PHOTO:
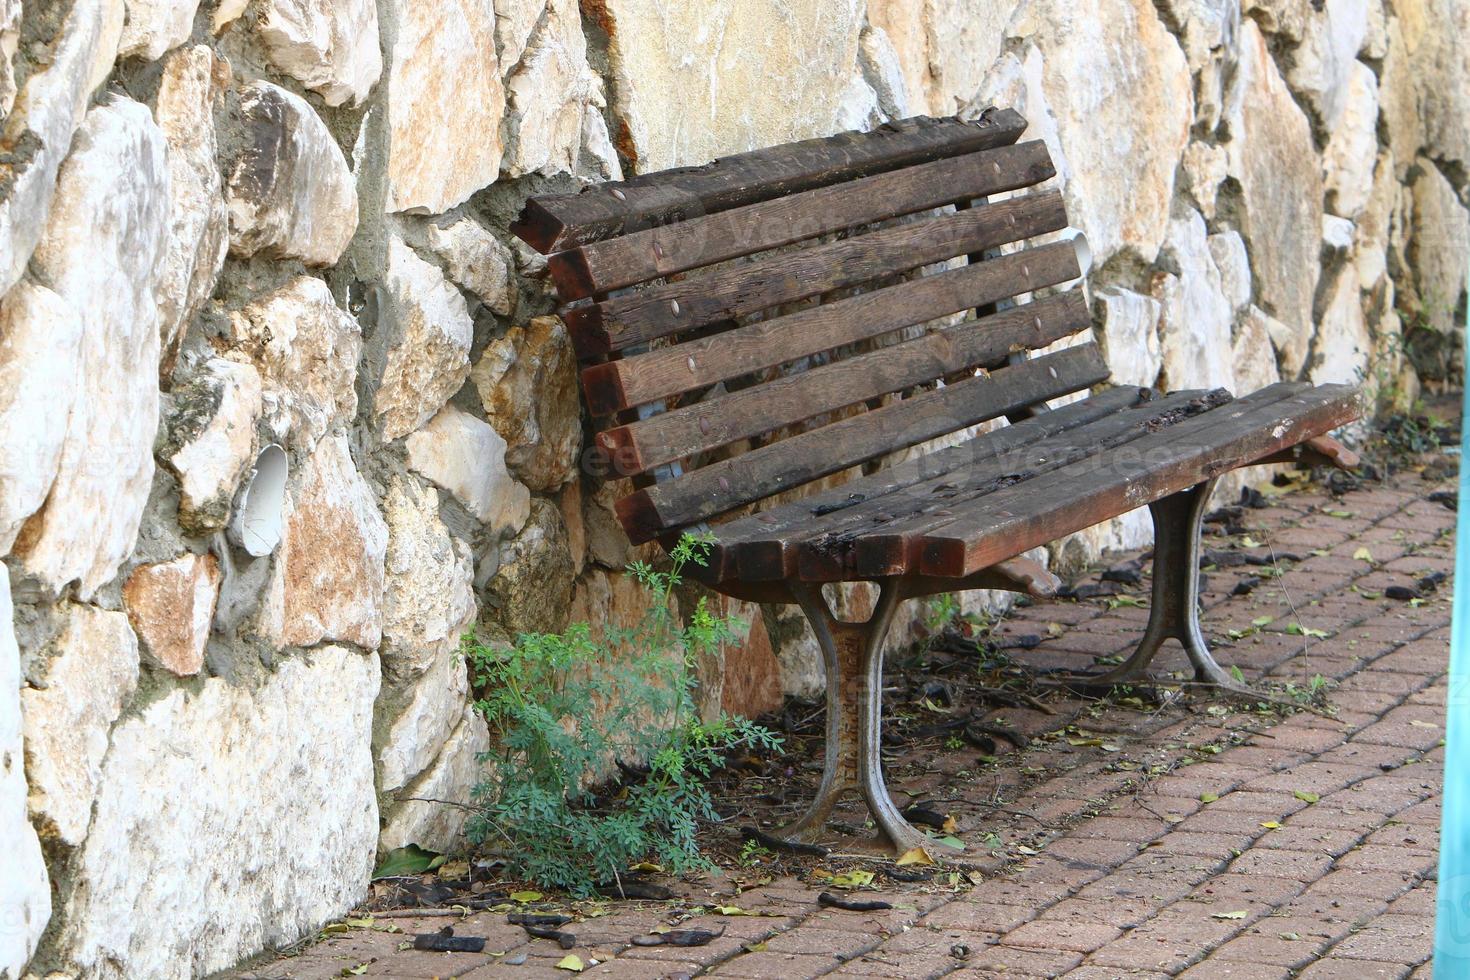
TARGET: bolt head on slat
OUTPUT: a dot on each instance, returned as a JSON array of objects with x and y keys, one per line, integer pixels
[
  {"x": 691, "y": 365},
  {"x": 618, "y": 194},
  {"x": 674, "y": 307},
  {"x": 704, "y": 426}
]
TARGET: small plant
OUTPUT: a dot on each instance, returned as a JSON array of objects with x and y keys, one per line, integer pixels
[
  {"x": 753, "y": 854},
  {"x": 940, "y": 611},
  {"x": 566, "y": 706}
]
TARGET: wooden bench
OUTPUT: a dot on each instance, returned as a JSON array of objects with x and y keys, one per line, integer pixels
[{"x": 753, "y": 326}]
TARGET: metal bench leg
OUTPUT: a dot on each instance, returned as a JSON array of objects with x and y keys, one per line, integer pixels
[
  {"x": 1175, "y": 609},
  {"x": 853, "y": 655}
]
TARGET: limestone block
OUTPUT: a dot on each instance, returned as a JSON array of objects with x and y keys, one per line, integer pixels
[
  {"x": 1255, "y": 355},
  {"x": 531, "y": 590},
  {"x": 1130, "y": 337},
  {"x": 105, "y": 238},
  {"x": 1343, "y": 341},
  {"x": 1195, "y": 314},
  {"x": 290, "y": 192},
  {"x": 155, "y": 26},
  {"x": 467, "y": 457},
  {"x": 1322, "y": 64},
  {"x": 1205, "y": 169},
  {"x": 430, "y": 599},
  {"x": 10, "y": 11},
  {"x": 527, "y": 382},
  {"x": 329, "y": 46},
  {"x": 1227, "y": 250},
  {"x": 448, "y": 100},
  {"x": 438, "y": 826},
  {"x": 266, "y": 795},
  {"x": 1439, "y": 248},
  {"x": 547, "y": 94},
  {"x": 171, "y": 606},
  {"x": 327, "y": 579},
  {"x": 880, "y": 67},
  {"x": 476, "y": 260},
  {"x": 91, "y": 672},
  {"x": 429, "y": 332},
  {"x": 211, "y": 440},
  {"x": 1352, "y": 149},
  {"x": 432, "y": 705}
]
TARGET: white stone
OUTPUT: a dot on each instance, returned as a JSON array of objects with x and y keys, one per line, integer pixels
[
  {"x": 429, "y": 332},
  {"x": 1352, "y": 148},
  {"x": 276, "y": 825},
  {"x": 1323, "y": 63},
  {"x": 548, "y": 93},
  {"x": 430, "y": 596},
  {"x": 1375, "y": 226},
  {"x": 858, "y": 107},
  {"x": 46, "y": 114},
  {"x": 306, "y": 349},
  {"x": 1137, "y": 80},
  {"x": 881, "y": 69},
  {"x": 10, "y": 11},
  {"x": 40, "y": 360},
  {"x": 198, "y": 220},
  {"x": 326, "y": 582},
  {"x": 527, "y": 382},
  {"x": 91, "y": 671},
  {"x": 905, "y": 25},
  {"x": 467, "y": 457},
  {"x": 1205, "y": 169},
  {"x": 445, "y": 113},
  {"x": 1255, "y": 354},
  {"x": 105, "y": 238},
  {"x": 435, "y": 704},
  {"x": 1130, "y": 324},
  {"x": 1272, "y": 155},
  {"x": 155, "y": 26},
  {"x": 962, "y": 41},
  {"x": 290, "y": 192},
  {"x": 420, "y": 818},
  {"x": 476, "y": 260},
  {"x": 1343, "y": 342},
  {"x": 1439, "y": 248},
  {"x": 329, "y": 46},
  {"x": 1227, "y": 250},
  {"x": 1195, "y": 314},
  {"x": 1337, "y": 233},
  {"x": 598, "y": 159},
  {"x": 25, "y": 889},
  {"x": 212, "y": 440},
  {"x": 514, "y": 22},
  {"x": 693, "y": 81}
]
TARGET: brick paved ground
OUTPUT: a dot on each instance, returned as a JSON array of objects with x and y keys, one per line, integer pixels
[{"x": 1199, "y": 842}]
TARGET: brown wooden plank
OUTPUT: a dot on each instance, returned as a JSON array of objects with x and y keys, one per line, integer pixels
[
  {"x": 679, "y": 307},
  {"x": 668, "y": 249},
  {"x": 785, "y": 401},
  {"x": 767, "y": 546},
  {"x": 554, "y": 222},
  {"x": 617, "y": 385},
  {"x": 873, "y": 539},
  {"x": 801, "y": 458},
  {"x": 1018, "y": 518}
]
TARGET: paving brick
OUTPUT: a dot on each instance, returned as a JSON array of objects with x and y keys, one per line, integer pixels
[
  {"x": 1011, "y": 961},
  {"x": 1281, "y": 863},
  {"x": 1274, "y": 950},
  {"x": 774, "y": 966},
  {"x": 1214, "y": 969},
  {"x": 1071, "y": 934},
  {"x": 1344, "y": 969},
  {"x": 1374, "y": 858},
  {"x": 977, "y": 917},
  {"x": 1382, "y": 885},
  {"x": 1253, "y": 890},
  {"x": 1169, "y": 942},
  {"x": 1402, "y": 938}
]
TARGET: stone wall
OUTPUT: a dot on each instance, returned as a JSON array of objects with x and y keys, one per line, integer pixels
[{"x": 282, "y": 413}]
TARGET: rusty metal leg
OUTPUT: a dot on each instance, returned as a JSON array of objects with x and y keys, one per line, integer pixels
[
  {"x": 1175, "y": 609},
  {"x": 853, "y": 653}
]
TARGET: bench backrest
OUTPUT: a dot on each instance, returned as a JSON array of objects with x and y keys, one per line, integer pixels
[{"x": 743, "y": 326}]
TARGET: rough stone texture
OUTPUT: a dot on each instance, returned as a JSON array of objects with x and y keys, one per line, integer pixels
[
  {"x": 429, "y": 333},
  {"x": 155, "y": 26},
  {"x": 477, "y": 261},
  {"x": 1425, "y": 102},
  {"x": 419, "y": 818},
  {"x": 433, "y": 704},
  {"x": 467, "y": 457},
  {"x": 528, "y": 385},
  {"x": 1439, "y": 249},
  {"x": 1204, "y": 169},
  {"x": 1253, "y": 352},
  {"x": 1272, "y": 156},
  {"x": 171, "y": 607},
  {"x": 1130, "y": 338},
  {"x": 330, "y": 46},
  {"x": 199, "y": 221},
  {"x": 25, "y": 890},
  {"x": 1352, "y": 150},
  {"x": 290, "y": 192},
  {"x": 40, "y": 352},
  {"x": 1343, "y": 342},
  {"x": 446, "y": 80},
  {"x": 306, "y": 349},
  {"x": 1195, "y": 314},
  {"x": 1227, "y": 250},
  {"x": 278, "y": 822},
  {"x": 546, "y": 132},
  {"x": 90, "y": 673},
  {"x": 750, "y": 677},
  {"x": 1324, "y": 62},
  {"x": 105, "y": 238},
  {"x": 327, "y": 580},
  {"x": 692, "y": 81},
  {"x": 46, "y": 113},
  {"x": 10, "y": 11},
  {"x": 531, "y": 590},
  {"x": 211, "y": 440}
]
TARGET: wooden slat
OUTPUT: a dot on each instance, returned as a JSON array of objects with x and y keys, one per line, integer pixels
[
  {"x": 765, "y": 546},
  {"x": 795, "y": 398},
  {"x": 669, "y": 249},
  {"x": 678, "y": 307},
  {"x": 1013, "y": 520},
  {"x": 874, "y": 536},
  {"x": 801, "y": 458},
  {"x": 556, "y": 222},
  {"x": 617, "y": 385}
]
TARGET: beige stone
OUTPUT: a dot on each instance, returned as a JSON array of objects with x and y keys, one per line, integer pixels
[
  {"x": 882, "y": 70},
  {"x": 902, "y": 23},
  {"x": 695, "y": 81},
  {"x": 1352, "y": 149},
  {"x": 211, "y": 440},
  {"x": 547, "y": 94},
  {"x": 1195, "y": 314},
  {"x": 531, "y": 590},
  {"x": 290, "y": 192},
  {"x": 1227, "y": 251},
  {"x": 467, "y": 457},
  {"x": 964, "y": 41},
  {"x": 1375, "y": 225},
  {"x": 1343, "y": 342},
  {"x": 155, "y": 26},
  {"x": 1439, "y": 249},
  {"x": 1322, "y": 64},
  {"x": 607, "y": 544},
  {"x": 1130, "y": 337},
  {"x": 105, "y": 238},
  {"x": 10, "y": 11},
  {"x": 327, "y": 579},
  {"x": 429, "y": 332},
  {"x": 432, "y": 812},
  {"x": 91, "y": 669},
  {"x": 430, "y": 707},
  {"x": 477, "y": 261},
  {"x": 171, "y": 607},
  {"x": 448, "y": 100},
  {"x": 1254, "y": 354},
  {"x": 429, "y": 599},
  {"x": 1428, "y": 101},
  {"x": 330, "y": 46},
  {"x": 527, "y": 382}
]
